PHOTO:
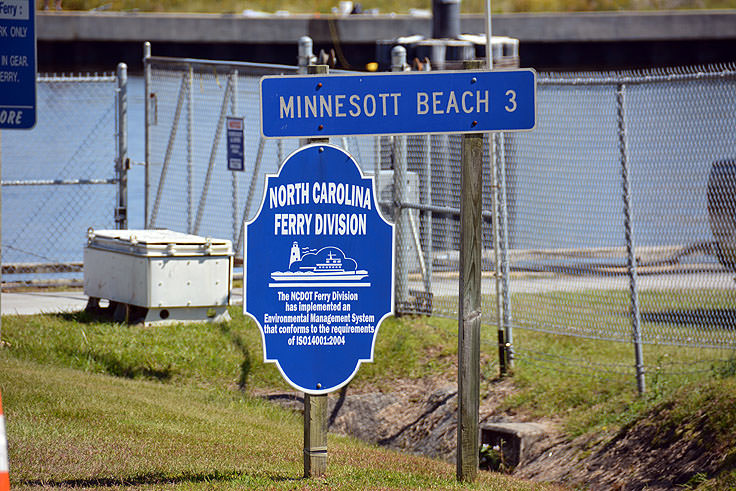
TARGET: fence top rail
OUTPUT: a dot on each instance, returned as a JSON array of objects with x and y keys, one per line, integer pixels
[
  {"x": 81, "y": 77},
  {"x": 681, "y": 74},
  {"x": 209, "y": 64},
  {"x": 246, "y": 66}
]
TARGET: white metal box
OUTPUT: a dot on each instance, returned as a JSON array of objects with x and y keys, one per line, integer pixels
[{"x": 179, "y": 276}]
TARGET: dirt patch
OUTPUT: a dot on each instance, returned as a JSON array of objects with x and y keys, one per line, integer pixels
[
  {"x": 641, "y": 456},
  {"x": 420, "y": 417},
  {"x": 417, "y": 416}
]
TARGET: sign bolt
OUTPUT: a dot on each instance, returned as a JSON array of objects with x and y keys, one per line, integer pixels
[
  {"x": 319, "y": 386},
  {"x": 319, "y": 85},
  {"x": 320, "y": 127},
  {"x": 473, "y": 80},
  {"x": 474, "y": 123}
]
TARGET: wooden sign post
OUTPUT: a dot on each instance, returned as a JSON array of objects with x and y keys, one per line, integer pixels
[
  {"x": 315, "y": 406},
  {"x": 469, "y": 317}
]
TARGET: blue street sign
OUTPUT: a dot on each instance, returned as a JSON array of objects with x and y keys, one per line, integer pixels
[
  {"x": 235, "y": 144},
  {"x": 17, "y": 64},
  {"x": 318, "y": 268},
  {"x": 398, "y": 103}
]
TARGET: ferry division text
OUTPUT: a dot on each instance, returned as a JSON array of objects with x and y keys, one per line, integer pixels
[{"x": 304, "y": 193}]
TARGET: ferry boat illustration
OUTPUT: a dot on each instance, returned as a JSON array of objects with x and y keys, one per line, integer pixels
[{"x": 326, "y": 264}]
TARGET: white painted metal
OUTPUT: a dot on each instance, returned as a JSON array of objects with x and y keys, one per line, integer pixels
[{"x": 159, "y": 269}]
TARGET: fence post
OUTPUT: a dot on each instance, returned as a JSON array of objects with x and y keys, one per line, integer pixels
[
  {"x": 629, "y": 235},
  {"x": 234, "y": 174},
  {"x": 501, "y": 333},
  {"x": 306, "y": 56},
  {"x": 401, "y": 215},
  {"x": 469, "y": 319},
  {"x": 190, "y": 140},
  {"x": 503, "y": 242},
  {"x": 121, "y": 167},
  {"x": 427, "y": 216},
  {"x": 315, "y": 406},
  {"x": 147, "y": 114}
]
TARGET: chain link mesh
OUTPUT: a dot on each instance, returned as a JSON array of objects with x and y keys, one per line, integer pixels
[
  {"x": 564, "y": 201},
  {"x": 46, "y": 210},
  {"x": 191, "y": 189}
]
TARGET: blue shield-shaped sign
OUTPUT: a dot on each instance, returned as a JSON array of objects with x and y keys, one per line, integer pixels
[{"x": 318, "y": 268}]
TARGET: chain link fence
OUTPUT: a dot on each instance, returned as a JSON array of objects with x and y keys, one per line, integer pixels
[
  {"x": 189, "y": 187},
  {"x": 615, "y": 215},
  {"x": 622, "y": 210},
  {"x": 62, "y": 177},
  {"x": 615, "y": 218}
]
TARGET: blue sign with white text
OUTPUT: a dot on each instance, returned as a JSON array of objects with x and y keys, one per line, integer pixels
[
  {"x": 235, "y": 144},
  {"x": 398, "y": 103},
  {"x": 318, "y": 268},
  {"x": 17, "y": 64}
]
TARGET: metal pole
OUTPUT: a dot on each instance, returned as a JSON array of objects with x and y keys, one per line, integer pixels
[
  {"x": 469, "y": 318},
  {"x": 629, "y": 235},
  {"x": 121, "y": 167},
  {"x": 427, "y": 215},
  {"x": 489, "y": 36},
  {"x": 502, "y": 362},
  {"x": 503, "y": 236},
  {"x": 147, "y": 112},
  {"x": 306, "y": 56},
  {"x": 401, "y": 219},
  {"x": 426, "y": 143},
  {"x": 190, "y": 140},
  {"x": 234, "y": 174},
  {"x": 315, "y": 406},
  {"x": 500, "y": 304}
]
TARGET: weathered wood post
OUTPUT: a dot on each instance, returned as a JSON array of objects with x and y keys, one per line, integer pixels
[
  {"x": 315, "y": 435},
  {"x": 315, "y": 406},
  {"x": 469, "y": 317}
]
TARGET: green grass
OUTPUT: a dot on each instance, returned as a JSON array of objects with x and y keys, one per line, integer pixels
[
  {"x": 215, "y": 355},
  {"x": 105, "y": 405},
  {"x": 590, "y": 382},
  {"x": 388, "y": 6},
  {"x": 73, "y": 385},
  {"x": 69, "y": 429}
]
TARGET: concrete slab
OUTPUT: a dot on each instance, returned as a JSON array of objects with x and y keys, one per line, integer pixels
[
  {"x": 52, "y": 302},
  {"x": 42, "y": 302},
  {"x": 512, "y": 439}
]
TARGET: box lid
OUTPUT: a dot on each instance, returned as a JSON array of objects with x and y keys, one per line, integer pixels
[{"x": 157, "y": 243}]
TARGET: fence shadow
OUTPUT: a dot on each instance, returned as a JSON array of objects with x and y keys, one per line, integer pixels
[
  {"x": 154, "y": 478},
  {"x": 719, "y": 318}
]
